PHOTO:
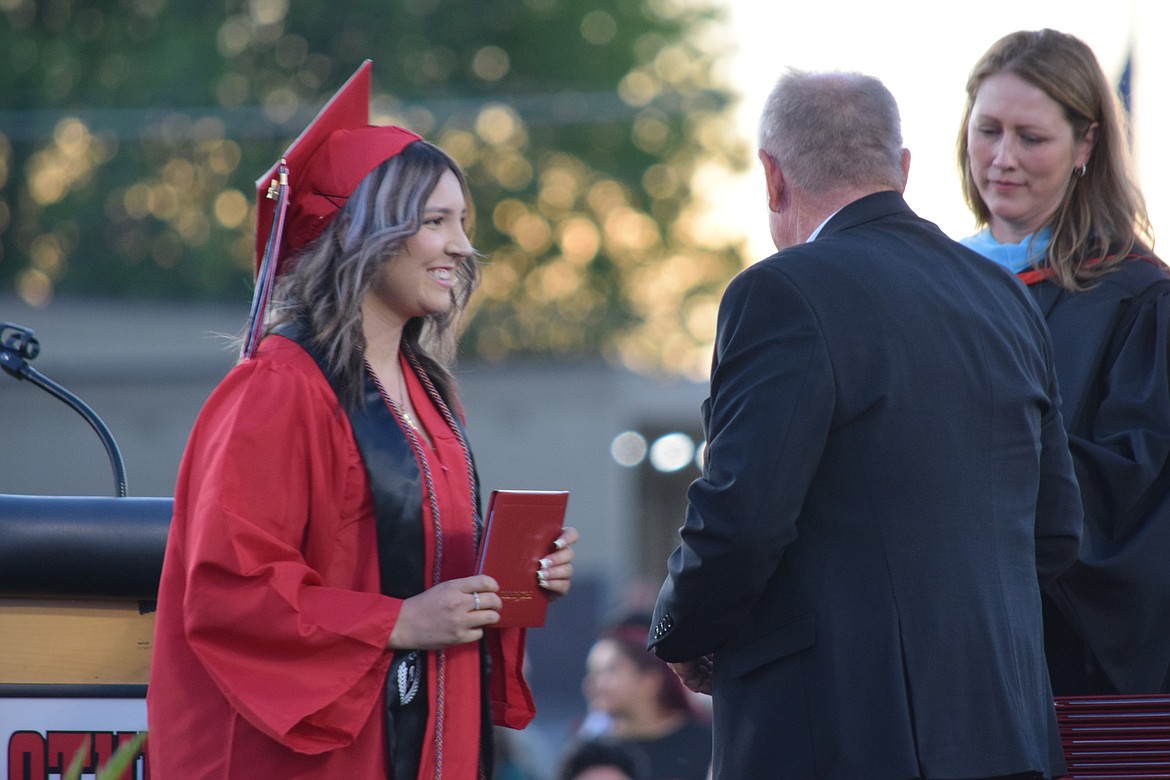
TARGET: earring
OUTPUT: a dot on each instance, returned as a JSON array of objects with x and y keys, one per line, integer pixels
[{"x": 1080, "y": 172}]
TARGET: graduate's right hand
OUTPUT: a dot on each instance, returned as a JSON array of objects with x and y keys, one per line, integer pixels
[{"x": 451, "y": 613}]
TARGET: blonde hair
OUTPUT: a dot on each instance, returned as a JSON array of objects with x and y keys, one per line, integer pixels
[{"x": 1102, "y": 217}]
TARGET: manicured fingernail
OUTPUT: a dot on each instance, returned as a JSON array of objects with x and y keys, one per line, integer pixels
[
  {"x": 545, "y": 563},
  {"x": 542, "y": 575},
  {"x": 560, "y": 544}
]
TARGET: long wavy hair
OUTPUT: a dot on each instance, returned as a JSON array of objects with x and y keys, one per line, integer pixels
[
  {"x": 1102, "y": 217},
  {"x": 328, "y": 280}
]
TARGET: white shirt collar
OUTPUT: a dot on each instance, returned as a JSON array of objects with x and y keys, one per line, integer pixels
[{"x": 820, "y": 227}]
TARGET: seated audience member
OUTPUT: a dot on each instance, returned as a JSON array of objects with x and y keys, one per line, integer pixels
[
  {"x": 602, "y": 758},
  {"x": 648, "y": 709}
]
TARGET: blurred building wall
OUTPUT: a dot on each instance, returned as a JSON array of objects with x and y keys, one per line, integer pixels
[{"x": 146, "y": 368}]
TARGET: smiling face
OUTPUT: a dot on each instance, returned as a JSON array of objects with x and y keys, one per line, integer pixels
[
  {"x": 417, "y": 281},
  {"x": 1022, "y": 151}
]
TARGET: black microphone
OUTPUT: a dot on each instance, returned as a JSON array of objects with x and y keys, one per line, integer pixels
[{"x": 17, "y": 347}]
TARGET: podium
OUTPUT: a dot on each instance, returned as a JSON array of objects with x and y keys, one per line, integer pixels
[{"x": 78, "y": 580}]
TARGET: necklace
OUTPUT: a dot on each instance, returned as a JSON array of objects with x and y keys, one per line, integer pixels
[
  {"x": 401, "y": 406},
  {"x": 432, "y": 501},
  {"x": 407, "y": 417}
]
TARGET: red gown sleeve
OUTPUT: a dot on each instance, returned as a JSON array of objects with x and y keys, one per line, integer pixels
[
  {"x": 512, "y": 702},
  {"x": 282, "y": 605}
]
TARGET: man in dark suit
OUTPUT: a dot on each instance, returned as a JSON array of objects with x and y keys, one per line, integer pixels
[{"x": 887, "y": 483}]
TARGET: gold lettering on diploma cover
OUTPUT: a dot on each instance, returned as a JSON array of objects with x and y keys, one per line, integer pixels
[{"x": 516, "y": 595}]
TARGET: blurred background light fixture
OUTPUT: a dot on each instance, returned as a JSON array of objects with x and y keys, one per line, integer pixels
[
  {"x": 672, "y": 452},
  {"x": 628, "y": 448}
]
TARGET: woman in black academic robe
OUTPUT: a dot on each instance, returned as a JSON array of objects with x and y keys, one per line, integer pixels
[{"x": 1043, "y": 158}]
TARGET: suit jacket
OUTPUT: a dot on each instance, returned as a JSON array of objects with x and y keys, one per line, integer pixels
[{"x": 887, "y": 482}]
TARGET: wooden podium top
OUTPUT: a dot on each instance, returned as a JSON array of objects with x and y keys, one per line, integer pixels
[{"x": 74, "y": 642}]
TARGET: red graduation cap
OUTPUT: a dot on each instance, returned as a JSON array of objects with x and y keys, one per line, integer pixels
[{"x": 302, "y": 193}]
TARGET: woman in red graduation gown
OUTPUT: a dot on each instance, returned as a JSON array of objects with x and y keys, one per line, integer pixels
[
  {"x": 318, "y": 614},
  {"x": 1042, "y": 151}
]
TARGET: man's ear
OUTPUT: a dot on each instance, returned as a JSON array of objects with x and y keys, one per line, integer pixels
[
  {"x": 773, "y": 178},
  {"x": 905, "y": 168}
]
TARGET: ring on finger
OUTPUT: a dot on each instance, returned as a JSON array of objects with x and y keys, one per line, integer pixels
[{"x": 476, "y": 597}]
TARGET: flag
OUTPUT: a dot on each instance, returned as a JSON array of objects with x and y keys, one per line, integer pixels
[{"x": 1125, "y": 92}]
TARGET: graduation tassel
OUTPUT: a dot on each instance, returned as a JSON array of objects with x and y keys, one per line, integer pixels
[{"x": 266, "y": 276}]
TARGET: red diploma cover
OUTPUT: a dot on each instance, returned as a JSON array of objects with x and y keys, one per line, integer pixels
[{"x": 520, "y": 529}]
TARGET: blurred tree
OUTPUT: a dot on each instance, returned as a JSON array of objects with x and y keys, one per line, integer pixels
[{"x": 131, "y": 132}]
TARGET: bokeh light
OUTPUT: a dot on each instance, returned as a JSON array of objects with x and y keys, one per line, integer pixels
[
  {"x": 672, "y": 452},
  {"x": 629, "y": 448}
]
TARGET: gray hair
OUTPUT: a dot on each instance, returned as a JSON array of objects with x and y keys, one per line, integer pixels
[{"x": 828, "y": 130}]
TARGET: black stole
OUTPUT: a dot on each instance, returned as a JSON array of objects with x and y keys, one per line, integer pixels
[
  {"x": 397, "y": 490},
  {"x": 395, "y": 481}
]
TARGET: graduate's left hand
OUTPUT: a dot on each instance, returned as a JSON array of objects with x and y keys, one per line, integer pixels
[{"x": 556, "y": 568}]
